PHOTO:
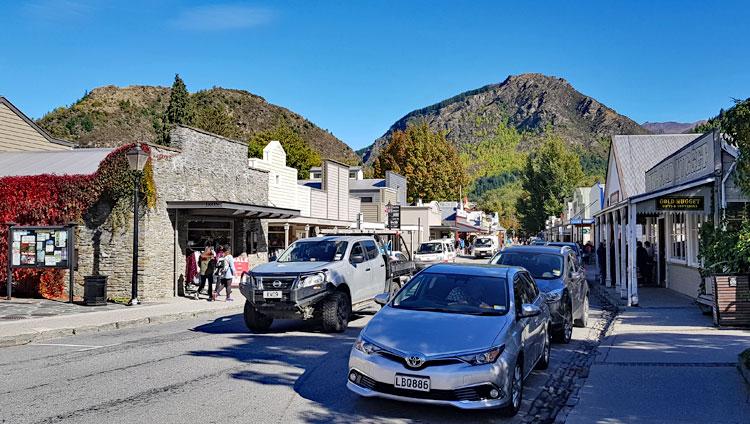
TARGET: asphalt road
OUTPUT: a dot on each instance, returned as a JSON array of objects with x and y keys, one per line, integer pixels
[{"x": 212, "y": 372}]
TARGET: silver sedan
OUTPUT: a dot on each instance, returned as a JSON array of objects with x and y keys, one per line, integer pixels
[{"x": 461, "y": 335}]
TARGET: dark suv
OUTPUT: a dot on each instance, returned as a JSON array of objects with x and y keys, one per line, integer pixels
[{"x": 558, "y": 274}]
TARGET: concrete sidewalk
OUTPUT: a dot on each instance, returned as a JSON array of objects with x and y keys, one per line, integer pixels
[
  {"x": 25, "y": 331},
  {"x": 664, "y": 362}
]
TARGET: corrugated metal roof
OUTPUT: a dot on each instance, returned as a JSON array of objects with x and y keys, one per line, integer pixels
[
  {"x": 65, "y": 162},
  {"x": 636, "y": 154},
  {"x": 366, "y": 184}
]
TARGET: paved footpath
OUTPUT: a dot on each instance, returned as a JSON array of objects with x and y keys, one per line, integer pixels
[
  {"x": 664, "y": 362},
  {"x": 68, "y": 320}
]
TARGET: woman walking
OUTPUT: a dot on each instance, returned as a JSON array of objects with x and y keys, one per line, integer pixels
[
  {"x": 226, "y": 274},
  {"x": 207, "y": 265}
]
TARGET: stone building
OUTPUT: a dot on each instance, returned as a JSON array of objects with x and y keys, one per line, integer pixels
[{"x": 205, "y": 193}]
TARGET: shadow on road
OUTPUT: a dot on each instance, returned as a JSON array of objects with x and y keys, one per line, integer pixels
[{"x": 314, "y": 364}]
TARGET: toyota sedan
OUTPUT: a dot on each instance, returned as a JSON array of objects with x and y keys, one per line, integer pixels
[{"x": 460, "y": 335}]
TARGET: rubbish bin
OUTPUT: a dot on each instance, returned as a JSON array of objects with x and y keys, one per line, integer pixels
[{"x": 95, "y": 290}]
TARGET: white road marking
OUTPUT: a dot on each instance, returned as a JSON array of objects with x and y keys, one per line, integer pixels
[{"x": 84, "y": 347}]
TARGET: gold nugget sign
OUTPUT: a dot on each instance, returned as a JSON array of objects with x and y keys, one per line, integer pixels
[{"x": 679, "y": 203}]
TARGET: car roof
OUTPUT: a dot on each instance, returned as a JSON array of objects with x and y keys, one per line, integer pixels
[
  {"x": 536, "y": 249},
  {"x": 562, "y": 243},
  {"x": 479, "y": 270},
  {"x": 336, "y": 238}
]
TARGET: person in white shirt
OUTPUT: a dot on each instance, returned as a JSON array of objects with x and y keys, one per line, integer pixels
[{"x": 226, "y": 273}]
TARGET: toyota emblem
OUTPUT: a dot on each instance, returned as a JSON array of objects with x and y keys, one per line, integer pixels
[
  {"x": 415, "y": 360},
  {"x": 276, "y": 284}
]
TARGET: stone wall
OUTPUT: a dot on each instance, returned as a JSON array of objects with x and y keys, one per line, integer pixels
[{"x": 198, "y": 166}]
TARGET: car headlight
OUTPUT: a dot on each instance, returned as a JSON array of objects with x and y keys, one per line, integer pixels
[
  {"x": 312, "y": 280},
  {"x": 482, "y": 358},
  {"x": 256, "y": 283},
  {"x": 365, "y": 346},
  {"x": 553, "y": 295}
]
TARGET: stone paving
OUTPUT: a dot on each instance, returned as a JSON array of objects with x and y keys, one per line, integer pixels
[{"x": 20, "y": 309}]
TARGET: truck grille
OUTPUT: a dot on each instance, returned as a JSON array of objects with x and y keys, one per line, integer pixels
[{"x": 277, "y": 283}]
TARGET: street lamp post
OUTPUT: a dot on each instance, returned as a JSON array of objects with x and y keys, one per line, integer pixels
[{"x": 136, "y": 162}]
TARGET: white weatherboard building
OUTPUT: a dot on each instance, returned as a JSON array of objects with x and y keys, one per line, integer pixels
[{"x": 662, "y": 189}]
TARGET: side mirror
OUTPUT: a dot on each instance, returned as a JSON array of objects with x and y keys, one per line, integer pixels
[
  {"x": 381, "y": 299},
  {"x": 357, "y": 259},
  {"x": 528, "y": 310}
]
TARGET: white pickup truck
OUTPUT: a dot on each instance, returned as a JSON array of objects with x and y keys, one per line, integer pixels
[{"x": 321, "y": 278}]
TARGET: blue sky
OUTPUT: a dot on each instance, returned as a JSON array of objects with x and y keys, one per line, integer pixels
[{"x": 355, "y": 67}]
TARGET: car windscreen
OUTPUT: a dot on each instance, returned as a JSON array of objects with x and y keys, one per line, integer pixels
[
  {"x": 453, "y": 293},
  {"x": 314, "y": 251},
  {"x": 483, "y": 242},
  {"x": 430, "y": 248},
  {"x": 545, "y": 266}
]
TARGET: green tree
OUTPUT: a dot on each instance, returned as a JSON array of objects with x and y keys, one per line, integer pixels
[
  {"x": 217, "y": 119},
  {"x": 179, "y": 110},
  {"x": 735, "y": 124},
  {"x": 298, "y": 154},
  {"x": 494, "y": 155},
  {"x": 552, "y": 171},
  {"x": 503, "y": 200},
  {"x": 431, "y": 164}
]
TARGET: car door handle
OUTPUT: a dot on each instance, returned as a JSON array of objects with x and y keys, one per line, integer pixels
[
  {"x": 368, "y": 269},
  {"x": 382, "y": 265}
]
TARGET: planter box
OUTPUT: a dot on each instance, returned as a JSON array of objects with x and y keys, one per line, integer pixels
[{"x": 732, "y": 297}]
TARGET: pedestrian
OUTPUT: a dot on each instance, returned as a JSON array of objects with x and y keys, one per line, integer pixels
[
  {"x": 462, "y": 243},
  {"x": 207, "y": 267},
  {"x": 588, "y": 250},
  {"x": 649, "y": 272},
  {"x": 227, "y": 271},
  {"x": 641, "y": 260}
]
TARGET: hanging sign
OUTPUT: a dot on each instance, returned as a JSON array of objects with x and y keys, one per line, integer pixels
[{"x": 679, "y": 203}]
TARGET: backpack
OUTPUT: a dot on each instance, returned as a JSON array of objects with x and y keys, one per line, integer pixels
[{"x": 221, "y": 267}]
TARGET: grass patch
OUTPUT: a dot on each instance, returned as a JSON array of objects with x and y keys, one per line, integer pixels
[{"x": 120, "y": 300}]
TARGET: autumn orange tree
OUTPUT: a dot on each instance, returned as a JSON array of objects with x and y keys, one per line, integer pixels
[{"x": 432, "y": 166}]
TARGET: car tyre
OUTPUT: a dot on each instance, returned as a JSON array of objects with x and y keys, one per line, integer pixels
[
  {"x": 543, "y": 362},
  {"x": 564, "y": 332},
  {"x": 515, "y": 392},
  {"x": 584, "y": 320},
  {"x": 336, "y": 311},
  {"x": 256, "y": 321}
]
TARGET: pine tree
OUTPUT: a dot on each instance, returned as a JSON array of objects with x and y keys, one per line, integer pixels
[{"x": 179, "y": 111}]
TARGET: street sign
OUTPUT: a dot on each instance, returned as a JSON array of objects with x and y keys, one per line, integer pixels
[{"x": 394, "y": 217}]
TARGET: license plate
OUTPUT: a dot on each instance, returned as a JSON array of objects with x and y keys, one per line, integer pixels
[
  {"x": 408, "y": 382},
  {"x": 272, "y": 294}
]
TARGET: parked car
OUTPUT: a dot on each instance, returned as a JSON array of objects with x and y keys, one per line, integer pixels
[
  {"x": 433, "y": 252},
  {"x": 573, "y": 246},
  {"x": 456, "y": 334},
  {"x": 558, "y": 275},
  {"x": 321, "y": 278},
  {"x": 484, "y": 246}
]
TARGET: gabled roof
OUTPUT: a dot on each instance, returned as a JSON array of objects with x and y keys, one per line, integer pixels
[
  {"x": 367, "y": 184},
  {"x": 33, "y": 124},
  {"x": 636, "y": 154}
]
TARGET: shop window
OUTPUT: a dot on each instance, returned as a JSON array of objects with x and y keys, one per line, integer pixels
[
  {"x": 365, "y": 199},
  {"x": 695, "y": 222},
  {"x": 678, "y": 237},
  {"x": 213, "y": 233}
]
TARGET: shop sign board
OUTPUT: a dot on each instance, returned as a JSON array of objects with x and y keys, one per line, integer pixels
[
  {"x": 394, "y": 217},
  {"x": 694, "y": 161},
  {"x": 680, "y": 203}
]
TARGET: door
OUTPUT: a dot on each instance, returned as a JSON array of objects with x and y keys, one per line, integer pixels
[
  {"x": 360, "y": 274},
  {"x": 661, "y": 251},
  {"x": 526, "y": 324},
  {"x": 376, "y": 268},
  {"x": 536, "y": 323}
]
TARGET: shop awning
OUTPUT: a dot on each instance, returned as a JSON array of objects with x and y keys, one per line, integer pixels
[
  {"x": 232, "y": 209},
  {"x": 701, "y": 188}
]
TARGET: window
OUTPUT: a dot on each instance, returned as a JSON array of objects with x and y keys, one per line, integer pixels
[
  {"x": 314, "y": 251},
  {"x": 277, "y": 180},
  {"x": 453, "y": 293},
  {"x": 357, "y": 250},
  {"x": 366, "y": 199},
  {"x": 531, "y": 290},
  {"x": 371, "y": 248},
  {"x": 694, "y": 227},
  {"x": 544, "y": 266},
  {"x": 678, "y": 237}
]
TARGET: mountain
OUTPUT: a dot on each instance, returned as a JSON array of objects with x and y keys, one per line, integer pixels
[
  {"x": 110, "y": 116},
  {"x": 532, "y": 103},
  {"x": 671, "y": 127}
]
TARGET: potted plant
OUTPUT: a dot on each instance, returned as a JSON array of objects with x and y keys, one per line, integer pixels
[{"x": 724, "y": 252}]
